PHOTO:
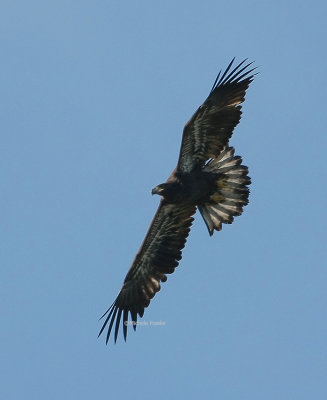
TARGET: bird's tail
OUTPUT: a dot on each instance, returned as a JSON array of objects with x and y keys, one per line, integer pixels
[{"x": 232, "y": 192}]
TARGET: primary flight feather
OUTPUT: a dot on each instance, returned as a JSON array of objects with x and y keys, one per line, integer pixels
[{"x": 208, "y": 176}]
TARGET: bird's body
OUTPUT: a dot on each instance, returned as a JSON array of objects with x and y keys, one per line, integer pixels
[
  {"x": 187, "y": 188},
  {"x": 208, "y": 176}
]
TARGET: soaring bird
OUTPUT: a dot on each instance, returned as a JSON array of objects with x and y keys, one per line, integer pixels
[{"x": 208, "y": 176}]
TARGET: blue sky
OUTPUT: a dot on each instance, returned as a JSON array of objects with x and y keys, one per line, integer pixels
[{"x": 94, "y": 99}]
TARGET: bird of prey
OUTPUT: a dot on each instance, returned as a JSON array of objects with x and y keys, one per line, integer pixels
[{"x": 208, "y": 176}]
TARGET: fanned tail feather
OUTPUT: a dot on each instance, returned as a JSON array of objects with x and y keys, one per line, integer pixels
[{"x": 232, "y": 190}]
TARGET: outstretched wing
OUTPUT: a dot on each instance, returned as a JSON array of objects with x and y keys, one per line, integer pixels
[
  {"x": 212, "y": 125},
  {"x": 159, "y": 255}
]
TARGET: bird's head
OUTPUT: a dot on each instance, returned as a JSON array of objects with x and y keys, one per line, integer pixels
[
  {"x": 170, "y": 191},
  {"x": 160, "y": 189}
]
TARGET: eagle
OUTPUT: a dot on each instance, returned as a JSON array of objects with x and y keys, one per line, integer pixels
[{"x": 208, "y": 177}]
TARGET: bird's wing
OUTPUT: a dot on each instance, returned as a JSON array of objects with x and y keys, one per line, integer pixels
[
  {"x": 212, "y": 125},
  {"x": 159, "y": 255}
]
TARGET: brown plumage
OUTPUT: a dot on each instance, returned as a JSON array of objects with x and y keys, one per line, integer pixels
[{"x": 207, "y": 176}]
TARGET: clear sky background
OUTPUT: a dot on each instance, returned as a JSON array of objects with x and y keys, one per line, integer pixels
[{"x": 94, "y": 97}]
